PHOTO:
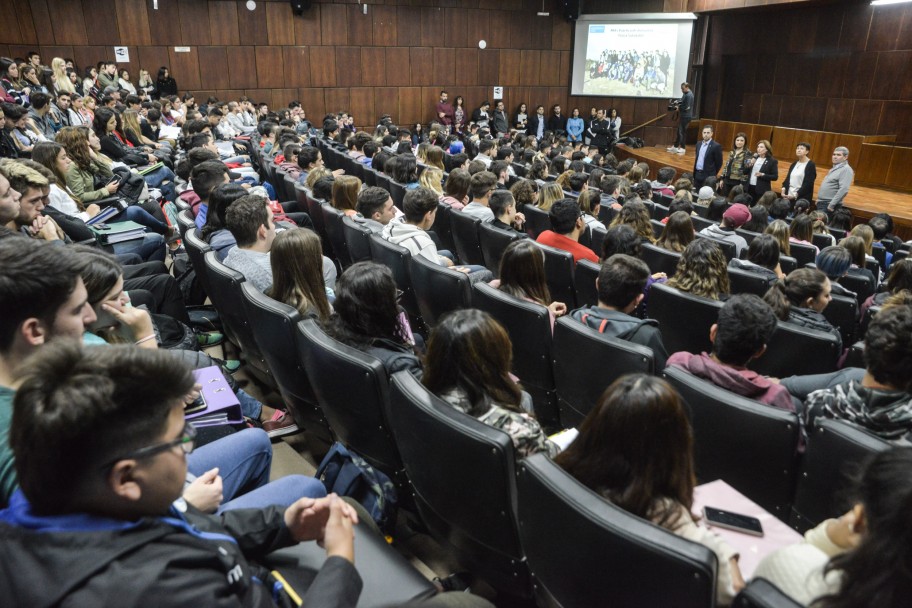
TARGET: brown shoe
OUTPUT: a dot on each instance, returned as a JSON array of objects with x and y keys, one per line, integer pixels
[{"x": 281, "y": 424}]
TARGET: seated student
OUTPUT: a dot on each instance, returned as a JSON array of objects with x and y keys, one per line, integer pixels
[
  {"x": 251, "y": 221},
  {"x": 740, "y": 335},
  {"x": 590, "y": 205},
  {"x": 881, "y": 401},
  {"x": 296, "y": 257},
  {"x": 678, "y": 232},
  {"x": 132, "y": 438},
  {"x": 204, "y": 178},
  {"x": 290, "y": 165},
  {"x": 663, "y": 181},
  {"x": 734, "y": 217},
  {"x": 215, "y": 231},
  {"x": 367, "y": 317},
  {"x": 566, "y": 226},
  {"x": 522, "y": 275},
  {"x": 375, "y": 209},
  {"x": 635, "y": 214},
  {"x": 800, "y": 298},
  {"x": 468, "y": 366},
  {"x": 762, "y": 258},
  {"x": 456, "y": 189},
  {"x": 635, "y": 449},
  {"x": 834, "y": 261},
  {"x": 861, "y": 558},
  {"x": 620, "y": 286},
  {"x": 900, "y": 279},
  {"x": 801, "y": 232},
  {"x": 503, "y": 206},
  {"x": 856, "y": 246},
  {"x": 481, "y": 186},
  {"x": 880, "y": 228},
  {"x": 702, "y": 271}
]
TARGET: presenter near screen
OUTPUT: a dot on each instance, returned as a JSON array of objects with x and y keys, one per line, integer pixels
[{"x": 685, "y": 114}]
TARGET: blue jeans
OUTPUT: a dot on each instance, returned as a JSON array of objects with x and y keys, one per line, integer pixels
[
  {"x": 250, "y": 407},
  {"x": 157, "y": 179},
  {"x": 151, "y": 247},
  {"x": 244, "y": 460},
  {"x": 135, "y": 213}
]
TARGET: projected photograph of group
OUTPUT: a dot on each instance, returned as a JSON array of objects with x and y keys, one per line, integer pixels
[{"x": 631, "y": 59}]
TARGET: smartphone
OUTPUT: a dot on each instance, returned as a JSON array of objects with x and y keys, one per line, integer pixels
[
  {"x": 113, "y": 180},
  {"x": 733, "y": 521}
]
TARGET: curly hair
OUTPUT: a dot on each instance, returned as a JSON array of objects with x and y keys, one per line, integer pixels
[
  {"x": 635, "y": 215},
  {"x": 702, "y": 270}
]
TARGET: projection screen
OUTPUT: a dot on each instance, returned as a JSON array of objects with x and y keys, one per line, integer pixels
[{"x": 631, "y": 55}]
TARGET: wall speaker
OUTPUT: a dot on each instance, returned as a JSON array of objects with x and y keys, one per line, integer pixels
[
  {"x": 571, "y": 9},
  {"x": 299, "y": 6}
]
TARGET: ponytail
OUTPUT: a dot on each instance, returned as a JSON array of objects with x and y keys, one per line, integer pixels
[
  {"x": 794, "y": 290},
  {"x": 778, "y": 300}
]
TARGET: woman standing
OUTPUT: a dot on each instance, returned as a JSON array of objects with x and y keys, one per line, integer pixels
[
  {"x": 165, "y": 85},
  {"x": 459, "y": 114},
  {"x": 764, "y": 169},
  {"x": 614, "y": 123},
  {"x": 575, "y": 126},
  {"x": 521, "y": 117},
  {"x": 736, "y": 169},
  {"x": 799, "y": 181}
]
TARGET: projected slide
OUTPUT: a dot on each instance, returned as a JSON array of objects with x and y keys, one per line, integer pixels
[
  {"x": 631, "y": 55},
  {"x": 631, "y": 59}
]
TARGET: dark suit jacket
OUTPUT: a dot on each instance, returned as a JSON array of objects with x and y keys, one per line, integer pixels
[
  {"x": 712, "y": 162},
  {"x": 770, "y": 171},
  {"x": 806, "y": 191},
  {"x": 557, "y": 123},
  {"x": 532, "y": 124}
]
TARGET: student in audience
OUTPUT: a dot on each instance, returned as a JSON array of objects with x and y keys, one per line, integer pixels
[
  {"x": 834, "y": 261},
  {"x": 762, "y": 259},
  {"x": 900, "y": 279},
  {"x": 503, "y": 206},
  {"x": 133, "y": 445},
  {"x": 635, "y": 449},
  {"x": 468, "y": 366},
  {"x": 522, "y": 275},
  {"x": 216, "y": 232},
  {"x": 779, "y": 229},
  {"x": 345, "y": 194},
  {"x": 566, "y": 226},
  {"x": 525, "y": 192},
  {"x": 702, "y": 271},
  {"x": 801, "y": 297},
  {"x": 432, "y": 179},
  {"x": 678, "y": 232},
  {"x": 375, "y": 209},
  {"x": 549, "y": 194},
  {"x": 861, "y": 558},
  {"x": 481, "y": 186},
  {"x": 733, "y": 217},
  {"x": 621, "y": 283},
  {"x": 800, "y": 232},
  {"x": 250, "y": 221},
  {"x": 366, "y": 316},
  {"x": 456, "y": 189},
  {"x": 636, "y": 215},
  {"x": 204, "y": 178},
  {"x": 296, "y": 257},
  {"x": 590, "y": 204},
  {"x": 856, "y": 246},
  {"x": 759, "y": 219},
  {"x": 740, "y": 335}
]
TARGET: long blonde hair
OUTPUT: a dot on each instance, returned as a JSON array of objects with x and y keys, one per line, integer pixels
[
  {"x": 63, "y": 83},
  {"x": 780, "y": 230},
  {"x": 432, "y": 178},
  {"x": 296, "y": 258},
  {"x": 548, "y": 195},
  {"x": 131, "y": 122}
]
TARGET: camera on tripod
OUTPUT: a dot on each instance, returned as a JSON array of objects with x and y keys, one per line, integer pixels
[{"x": 673, "y": 104}]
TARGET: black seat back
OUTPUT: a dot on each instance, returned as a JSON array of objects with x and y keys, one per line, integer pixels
[
  {"x": 821, "y": 240},
  {"x": 275, "y": 334},
  {"x": 481, "y": 525},
  {"x": 842, "y": 313},
  {"x": 332, "y": 222},
  {"x": 749, "y": 445},
  {"x": 397, "y": 191},
  {"x": 559, "y": 269},
  {"x": 787, "y": 264},
  {"x": 370, "y": 176},
  {"x": 352, "y": 389},
  {"x": 465, "y": 237},
  {"x": 796, "y": 350},
  {"x": 747, "y": 234},
  {"x": 584, "y": 277},
  {"x": 196, "y": 248},
  {"x": 586, "y": 363},
  {"x": 584, "y": 552},
  {"x": 494, "y": 241},
  {"x": 537, "y": 220},
  {"x": 744, "y": 281},
  {"x": 278, "y": 184},
  {"x": 529, "y": 327},
  {"x": 598, "y": 240},
  {"x": 728, "y": 248},
  {"x": 437, "y": 289},
  {"x": 760, "y": 593},
  {"x": 185, "y": 222},
  {"x": 700, "y": 221},
  {"x": 357, "y": 240},
  {"x": 315, "y": 211},
  {"x": 383, "y": 181},
  {"x": 443, "y": 226},
  {"x": 659, "y": 259},
  {"x": 862, "y": 285},
  {"x": 227, "y": 298},
  {"x": 803, "y": 254},
  {"x": 684, "y": 319},
  {"x": 396, "y": 258},
  {"x": 835, "y": 451}
]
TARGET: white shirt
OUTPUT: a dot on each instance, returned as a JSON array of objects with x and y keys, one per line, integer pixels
[
  {"x": 797, "y": 177},
  {"x": 758, "y": 164},
  {"x": 62, "y": 202}
]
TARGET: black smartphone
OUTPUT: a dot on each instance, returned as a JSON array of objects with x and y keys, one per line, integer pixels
[
  {"x": 102, "y": 227},
  {"x": 733, "y": 521},
  {"x": 113, "y": 180}
]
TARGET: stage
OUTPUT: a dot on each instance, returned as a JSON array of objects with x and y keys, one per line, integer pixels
[{"x": 864, "y": 201}]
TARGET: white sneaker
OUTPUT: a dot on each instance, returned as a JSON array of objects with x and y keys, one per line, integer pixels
[
  {"x": 682, "y": 151},
  {"x": 671, "y": 149}
]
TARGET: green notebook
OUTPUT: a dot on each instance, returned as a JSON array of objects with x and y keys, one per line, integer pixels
[
  {"x": 150, "y": 168},
  {"x": 117, "y": 232}
]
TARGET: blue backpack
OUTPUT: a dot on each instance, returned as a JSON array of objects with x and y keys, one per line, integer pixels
[{"x": 347, "y": 474}]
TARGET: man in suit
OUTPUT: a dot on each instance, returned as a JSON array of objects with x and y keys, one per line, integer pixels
[
  {"x": 709, "y": 157},
  {"x": 536, "y": 123}
]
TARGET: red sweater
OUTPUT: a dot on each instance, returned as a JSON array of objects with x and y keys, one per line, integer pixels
[{"x": 559, "y": 241}]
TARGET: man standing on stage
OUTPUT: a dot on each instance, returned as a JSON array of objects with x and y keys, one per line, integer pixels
[
  {"x": 445, "y": 110},
  {"x": 836, "y": 184},
  {"x": 685, "y": 114},
  {"x": 709, "y": 157}
]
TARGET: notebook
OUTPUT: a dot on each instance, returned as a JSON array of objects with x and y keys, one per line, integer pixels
[
  {"x": 118, "y": 232},
  {"x": 221, "y": 405}
]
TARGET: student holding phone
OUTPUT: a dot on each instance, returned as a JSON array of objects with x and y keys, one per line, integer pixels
[{"x": 648, "y": 474}]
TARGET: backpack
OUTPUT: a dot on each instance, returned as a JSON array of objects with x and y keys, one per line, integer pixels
[{"x": 347, "y": 474}]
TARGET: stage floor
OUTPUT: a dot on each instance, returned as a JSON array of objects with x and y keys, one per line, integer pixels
[{"x": 864, "y": 201}]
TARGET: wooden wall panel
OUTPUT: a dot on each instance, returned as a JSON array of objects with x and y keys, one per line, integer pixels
[
  {"x": 252, "y": 26},
  {"x": 297, "y": 66},
  {"x": 164, "y": 27},
  {"x": 242, "y": 67},
  {"x": 361, "y": 104},
  {"x": 360, "y": 27},
  {"x": 28, "y": 30},
  {"x": 421, "y": 66},
  {"x": 41, "y": 16},
  {"x": 334, "y": 24},
  {"x": 873, "y": 164},
  {"x": 185, "y": 64},
  {"x": 384, "y": 25},
  {"x": 466, "y": 67},
  {"x": 530, "y": 64},
  {"x": 338, "y": 99},
  {"x": 223, "y": 23},
  {"x": 150, "y": 58},
  {"x": 386, "y": 101},
  {"x": 397, "y": 66},
  {"x": 308, "y": 26},
  {"x": 323, "y": 66},
  {"x": 133, "y": 22},
  {"x": 214, "y": 67},
  {"x": 899, "y": 174},
  {"x": 408, "y": 26},
  {"x": 279, "y": 23},
  {"x": 489, "y": 67},
  {"x": 348, "y": 66},
  {"x": 69, "y": 22},
  {"x": 194, "y": 16},
  {"x": 270, "y": 67},
  {"x": 445, "y": 65},
  {"x": 314, "y": 103},
  {"x": 373, "y": 66},
  {"x": 410, "y": 108}
]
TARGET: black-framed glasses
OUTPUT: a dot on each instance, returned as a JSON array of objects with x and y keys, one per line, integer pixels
[{"x": 185, "y": 441}]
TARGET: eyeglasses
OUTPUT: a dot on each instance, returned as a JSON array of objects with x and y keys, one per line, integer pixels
[{"x": 185, "y": 441}]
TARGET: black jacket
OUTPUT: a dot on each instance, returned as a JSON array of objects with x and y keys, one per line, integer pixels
[
  {"x": 806, "y": 191},
  {"x": 712, "y": 161},
  {"x": 532, "y": 124},
  {"x": 626, "y": 327},
  {"x": 601, "y": 133},
  {"x": 186, "y": 559},
  {"x": 770, "y": 171},
  {"x": 557, "y": 123},
  {"x": 117, "y": 150}
]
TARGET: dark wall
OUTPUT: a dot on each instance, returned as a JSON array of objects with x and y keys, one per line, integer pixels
[{"x": 837, "y": 67}]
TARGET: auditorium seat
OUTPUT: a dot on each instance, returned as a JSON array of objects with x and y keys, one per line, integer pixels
[
  {"x": 684, "y": 319},
  {"x": 357, "y": 240},
  {"x": 370, "y": 176},
  {"x": 227, "y": 298},
  {"x": 863, "y": 286},
  {"x": 332, "y": 222},
  {"x": 467, "y": 502},
  {"x": 821, "y": 240},
  {"x": 803, "y": 254},
  {"x": 275, "y": 334},
  {"x": 787, "y": 264},
  {"x": 659, "y": 259},
  {"x": 315, "y": 211},
  {"x": 796, "y": 350},
  {"x": 443, "y": 226},
  {"x": 396, "y": 258},
  {"x": 743, "y": 281},
  {"x": 494, "y": 241},
  {"x": 699, "y": 221},
  {"x": 584, "y": 277},
  {"x": 438, "y": 290},
  {"x": 529, "y": 328},
  {"x": 586, "y": 363},
  {"x": 537, "y": 221},
  {"x": 465, "y": 237},
  {"x": 278, "y": 183},
  {"x": 397, "y": 191},
  {"x": 185, "y": 222},
  {"x": 196, "y": 248},
  {"x": 729, "y": 250},
  {"x": 747, "y": 235},
  {"x": 835, "y": 450},
  {"x": 870, "y": 312},
  {"x": 760, "y": 593},
  {"x": 657, "y": 227},
  {"x": 352, "y": 389},
  {"x": 749, "y": 445},
  {"x": 842, "y": 313},
  {"x": 598, "y": 240},
  {"x": 659, "y": 212},
  {"x": 559, "y": 271},
  {"x": 584, "y": 552}
]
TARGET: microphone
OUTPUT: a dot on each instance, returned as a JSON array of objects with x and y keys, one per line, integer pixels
[{"x": 756, "y": 155}]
